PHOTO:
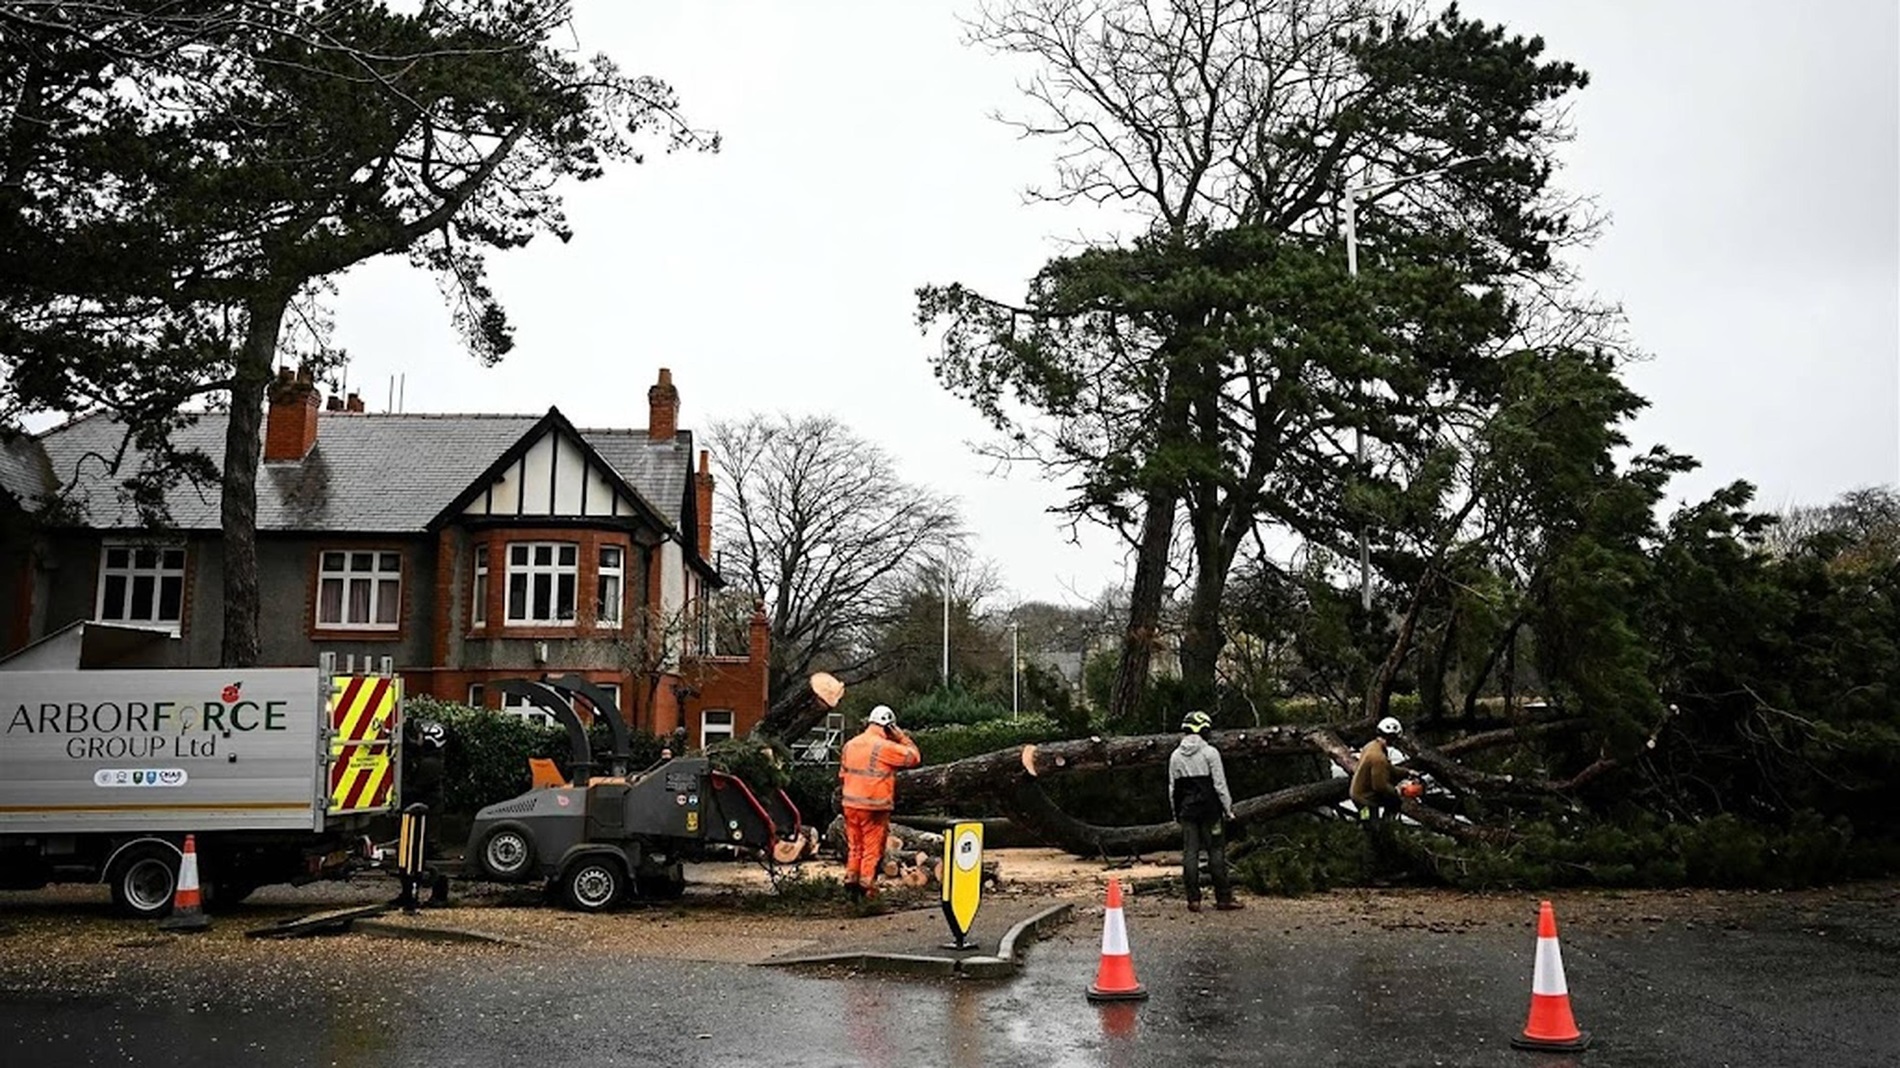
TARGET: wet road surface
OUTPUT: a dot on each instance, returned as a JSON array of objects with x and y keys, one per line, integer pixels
[{"x": 1814, "y": 987}]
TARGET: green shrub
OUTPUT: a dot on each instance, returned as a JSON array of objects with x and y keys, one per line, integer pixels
[
  {"x": 1301, "y": 856},
  {"x": 1723, "y": 851},
  {"x": 487, "y": 756},
  {"x": 952, "y": 705},
  {"x": 941, "y": 745}
]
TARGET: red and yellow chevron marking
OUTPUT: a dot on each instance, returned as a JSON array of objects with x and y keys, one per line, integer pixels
[
  {"x": 361, "y": 778},
  {"x": 364, "y": 717},
  {"x": 362, "y": 708}
]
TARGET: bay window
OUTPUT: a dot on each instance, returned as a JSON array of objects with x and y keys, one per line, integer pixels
[
  {"x": 609, "y": 586},
  {"x": 543, "y": 578}
]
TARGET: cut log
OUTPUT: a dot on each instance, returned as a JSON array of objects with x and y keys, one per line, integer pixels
[
  {"x": 899, "y": 840},
  {"x": 997, "y": 833},
  {"x": 939, "y": 785}
]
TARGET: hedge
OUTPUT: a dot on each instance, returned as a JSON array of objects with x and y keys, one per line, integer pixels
[{"x": 487, "y": 756}]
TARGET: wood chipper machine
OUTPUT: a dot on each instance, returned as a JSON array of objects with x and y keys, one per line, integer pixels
[{"x": 600, "y": 839}]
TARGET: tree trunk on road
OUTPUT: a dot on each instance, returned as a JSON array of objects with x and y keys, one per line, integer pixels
[{"x": 1013, "y": 777}]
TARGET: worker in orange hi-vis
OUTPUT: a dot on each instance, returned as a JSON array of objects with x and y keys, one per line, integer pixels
[{"x": 869, "y": 767}]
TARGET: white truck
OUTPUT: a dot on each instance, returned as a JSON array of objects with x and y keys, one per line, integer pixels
[{"x": 276, "y": 771}]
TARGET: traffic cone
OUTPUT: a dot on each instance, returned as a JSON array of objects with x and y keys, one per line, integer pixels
[
  {"x": 1551, "y": 1027},
  {"x": 188, "y": 912},
  {"x": 1115, "y": 979}
]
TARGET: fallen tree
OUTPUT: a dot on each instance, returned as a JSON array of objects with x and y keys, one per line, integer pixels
[{"x": 1013, "y": 779}]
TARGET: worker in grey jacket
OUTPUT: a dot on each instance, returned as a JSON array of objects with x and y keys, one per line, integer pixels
[{"x": 1197, "y": 791}]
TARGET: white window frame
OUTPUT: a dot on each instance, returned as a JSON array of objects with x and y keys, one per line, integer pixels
[
  {"x": 522, "y": 708},
  {"x": 158, "y": 571},
  {"x": 477, "y": 695},
  {"x": 378, "y": 576},
  {"x": 710, "y": 731},
  {"x": 613, "y": 691},
  {"x": 552, "y": 572},
  {"x": 608, "y": 610},
  {"x": 478, "y": 588}
]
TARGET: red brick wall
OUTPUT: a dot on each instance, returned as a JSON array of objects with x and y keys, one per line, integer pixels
[
  {"x": 451, "y": 684},
  {"x": 733, "y": 682}
]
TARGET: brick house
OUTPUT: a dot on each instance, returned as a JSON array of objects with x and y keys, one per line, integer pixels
[{"x": 467, "y": 548}]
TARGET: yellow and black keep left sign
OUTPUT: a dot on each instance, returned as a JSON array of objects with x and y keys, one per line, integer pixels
[
  {"x": 364, "y": 711},
  {"x": 962, "y": 876}
]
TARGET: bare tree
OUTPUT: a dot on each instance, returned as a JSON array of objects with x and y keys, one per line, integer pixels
[{"x": 829, "y": 537}]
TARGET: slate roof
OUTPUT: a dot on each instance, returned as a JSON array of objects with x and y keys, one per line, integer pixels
[
  {"x": 369, "y": 472},
  {"x": 23, "y": 471}
]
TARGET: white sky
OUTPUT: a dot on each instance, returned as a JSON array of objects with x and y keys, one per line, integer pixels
[{"x": 1749, "y": 157}]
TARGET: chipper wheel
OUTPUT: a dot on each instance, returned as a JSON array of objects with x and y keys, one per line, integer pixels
[{"x": 593, "y": 884}]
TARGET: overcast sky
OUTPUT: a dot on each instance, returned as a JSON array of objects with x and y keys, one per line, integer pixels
[{"x": 1748, "y": 154}]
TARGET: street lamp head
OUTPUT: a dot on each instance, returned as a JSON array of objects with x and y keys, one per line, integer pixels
[{"x": 1353, "y": 192}]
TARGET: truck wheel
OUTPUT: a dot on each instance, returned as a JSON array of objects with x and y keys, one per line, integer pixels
[
  {"x": 507, "y": 852},
  {"x": 143, "y": 879},
  {"x": 593, "y": 884}
]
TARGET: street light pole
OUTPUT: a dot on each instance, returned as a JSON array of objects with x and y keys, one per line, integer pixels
[
  {"x": 1015, "y": 671},
  {"x": 946, "y": 614},
  {"x": 1349, "y": 205}
]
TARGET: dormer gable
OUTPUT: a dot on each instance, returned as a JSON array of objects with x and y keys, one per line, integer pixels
[{"x": 553, "y": 473}]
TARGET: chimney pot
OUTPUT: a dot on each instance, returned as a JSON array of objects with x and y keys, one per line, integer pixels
[
  {"x": 355, "y": 403},
  {"x": 333, "y": 404}
]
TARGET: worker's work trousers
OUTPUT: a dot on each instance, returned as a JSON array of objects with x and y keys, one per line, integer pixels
[
  {"x": 865, "y": 832},
  {"x": 1194, "y": 838}
]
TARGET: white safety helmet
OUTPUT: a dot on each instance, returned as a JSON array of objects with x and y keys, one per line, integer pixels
[
  {"x": 883, "y": 716},
  {"x": 1391, "y": 725}
]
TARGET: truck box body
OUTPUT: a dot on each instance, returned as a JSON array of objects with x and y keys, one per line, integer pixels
[{"x": 163, "y": 751}]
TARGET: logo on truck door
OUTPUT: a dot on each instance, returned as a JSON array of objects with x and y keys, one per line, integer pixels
[{"x": 363, "y": 723}]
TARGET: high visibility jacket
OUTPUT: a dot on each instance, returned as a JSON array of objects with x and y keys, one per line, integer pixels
[{"x": 869, "y": 766}]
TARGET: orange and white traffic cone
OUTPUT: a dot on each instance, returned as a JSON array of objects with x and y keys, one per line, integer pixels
[
  {"x": 1551, "y": 1027},
  {"x": 188, "y": 912},
  {"x": 1115, "y": 979}
]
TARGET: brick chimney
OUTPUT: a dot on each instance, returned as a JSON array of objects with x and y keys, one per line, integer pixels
[
  {"x": 663, "y": 404},
  {"x": 703, "y": 497},
  {"x": 759, "y": 653},
  {"x": 291, "y": 427},
  {"x": 355, "y": 403}
]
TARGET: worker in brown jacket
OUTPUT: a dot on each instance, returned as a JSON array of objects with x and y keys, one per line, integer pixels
[{"x": 868, "y": 768}]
